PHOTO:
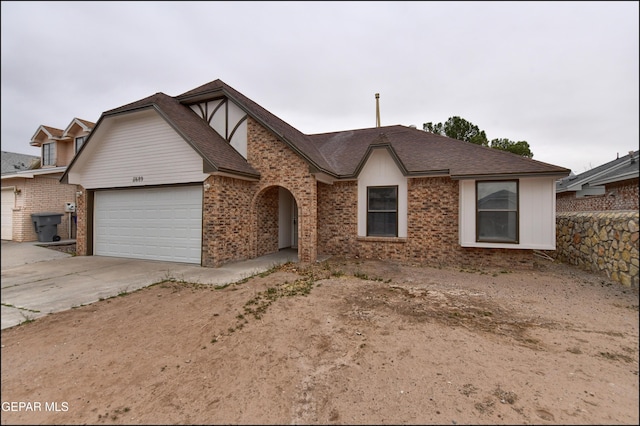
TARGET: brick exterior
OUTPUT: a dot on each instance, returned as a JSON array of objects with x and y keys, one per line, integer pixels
[
  {"x": 280, "y": 166},
  {"x": 432, "y": 234},
  {"x": 621, "y": 195},
  {"x": 240, "y": 217},
  {"x": 82, "y": 212},
  {"x": 41, "y": 194}
]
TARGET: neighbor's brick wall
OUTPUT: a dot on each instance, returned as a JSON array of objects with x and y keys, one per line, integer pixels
[
  {"x": 621, "y": 195},
  {"x": 432, "y": 234},
  {"x": 41, "y": 194}
]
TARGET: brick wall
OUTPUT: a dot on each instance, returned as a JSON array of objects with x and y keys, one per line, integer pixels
[
  {"x": 226, "y": 226},
  {"x": 82, "y": 212},
  {"x": 432, "y": 233},
  {"x": 621, "y": 195},
  {"x": 241, "y": 217},
  {"x": 338, "y": 218},
  {"x": 280, "y": 166},
  {"x": 41, "y": 194}
]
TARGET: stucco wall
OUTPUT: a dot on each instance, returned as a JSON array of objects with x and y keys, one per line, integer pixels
[{"x": 604, "y": 242}]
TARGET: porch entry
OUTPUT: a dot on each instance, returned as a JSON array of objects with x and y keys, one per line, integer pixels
[{"x": 287, "y": 220}]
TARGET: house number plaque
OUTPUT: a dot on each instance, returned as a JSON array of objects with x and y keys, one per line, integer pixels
[{"x": 138, "y": 179}]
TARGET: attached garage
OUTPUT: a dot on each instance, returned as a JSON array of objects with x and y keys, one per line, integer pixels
[
  {"x": 8, "y": 203},
  {"x": 149, "y": 223}
]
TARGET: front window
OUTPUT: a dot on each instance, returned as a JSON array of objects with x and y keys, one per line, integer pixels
[
  {"x": 497, "y": 211},
  {"x": 49, "y": 154},
  {"x": 79, "y": 141},
  {"x": 382, "y": 211}
]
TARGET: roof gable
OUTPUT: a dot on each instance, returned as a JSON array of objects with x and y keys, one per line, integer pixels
[
  {"x": 424, "y": 153},
  {"x": 621, "y": 168},
  {"x": 78, "y": 126},
  {"x": 340, "y": 155}
]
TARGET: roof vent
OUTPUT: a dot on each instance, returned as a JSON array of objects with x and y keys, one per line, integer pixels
[
  {"x": 377, "y": 109},
  {"x": 413, "y": 126}
]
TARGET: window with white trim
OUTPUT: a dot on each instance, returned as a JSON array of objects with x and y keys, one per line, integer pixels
[
  {"x": 49, "y": 154},
  {"x": 79, "y": 141},
  {"x": 382, "y": 211},
  {"x": 497, "y": 211}
]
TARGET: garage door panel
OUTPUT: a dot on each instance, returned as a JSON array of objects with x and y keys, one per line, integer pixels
[
  {"x": 156, "y": 224},
  {"x": 8, "y": 203}
]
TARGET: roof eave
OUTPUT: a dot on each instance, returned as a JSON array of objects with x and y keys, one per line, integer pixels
[{"x": 502, "y": 176}]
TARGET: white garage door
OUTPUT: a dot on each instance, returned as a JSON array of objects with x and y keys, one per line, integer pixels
[
  {"x": 8, "y": 203},
  {"x": 155, "y": 224}
]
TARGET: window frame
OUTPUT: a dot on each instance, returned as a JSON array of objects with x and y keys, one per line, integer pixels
[
  {"x": 480, "y": 239},
  {"x": 396, "y": 211},
  {"x": 76, "y": 148},
  {"x": 49, "y": 154}
]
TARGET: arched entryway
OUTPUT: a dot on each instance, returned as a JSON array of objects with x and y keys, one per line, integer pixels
[{"x": 277, "y": 224}]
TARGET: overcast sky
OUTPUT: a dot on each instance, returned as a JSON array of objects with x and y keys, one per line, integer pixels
[{"x": 562, "y": 76}]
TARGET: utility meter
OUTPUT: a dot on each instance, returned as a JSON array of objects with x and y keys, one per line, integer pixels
[{"x": 69, "y": 207}]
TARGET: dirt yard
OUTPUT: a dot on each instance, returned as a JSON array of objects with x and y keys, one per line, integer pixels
[{"x": 342, "y": 342}]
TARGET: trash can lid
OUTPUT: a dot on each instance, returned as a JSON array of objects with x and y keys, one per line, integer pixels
[{"x": 46, "y": 214}]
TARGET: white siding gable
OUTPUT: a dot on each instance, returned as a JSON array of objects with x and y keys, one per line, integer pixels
[
  {"x": 381, "y": 170},
  {"x": 138, "y": 149},
  {"x": 537, "y": 213},
  {"x": 227, "y": 119}
]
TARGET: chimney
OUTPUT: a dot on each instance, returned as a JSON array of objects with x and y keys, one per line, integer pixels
[{"x": 377, "y": 109}]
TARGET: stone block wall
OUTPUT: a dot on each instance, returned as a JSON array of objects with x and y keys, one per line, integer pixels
[{"x": 605, "y": 241}]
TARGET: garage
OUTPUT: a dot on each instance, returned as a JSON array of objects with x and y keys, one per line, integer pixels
[
  {"x": 149, "y": 223},
  {"x": 8, "y": 203}
]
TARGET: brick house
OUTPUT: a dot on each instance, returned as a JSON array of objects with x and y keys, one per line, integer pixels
[
  {"x": 610, "y": 186},
  {"x": 38, "y": 189},
  {"x": 210, "y": 177}
]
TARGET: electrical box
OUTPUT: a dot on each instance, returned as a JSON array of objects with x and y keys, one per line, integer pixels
[{"x": 70, "y": 207}]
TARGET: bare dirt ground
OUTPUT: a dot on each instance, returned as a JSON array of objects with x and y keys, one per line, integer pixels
[{"x": 341, "y": 342}]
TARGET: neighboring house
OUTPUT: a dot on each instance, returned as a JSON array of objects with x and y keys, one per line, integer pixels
[
  {"x": 209, "y": 177},
  {"x": 38, "y": 190},
  {"x": 14, "y": 162},
  {"x": 611, "y": 186}
]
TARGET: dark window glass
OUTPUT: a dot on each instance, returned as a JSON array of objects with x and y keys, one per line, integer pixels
[
  {"x": 382, "y": 211},
  {"x": 497, "y": 211}
]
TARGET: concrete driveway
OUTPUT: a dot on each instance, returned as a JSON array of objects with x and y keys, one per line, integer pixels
[{"x": 37, "y": 281}]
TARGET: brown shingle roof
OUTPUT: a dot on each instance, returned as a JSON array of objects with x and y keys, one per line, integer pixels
[
  {"x": 423, "y": 153},
  {"x": 56, "y": 133},
  {"x": 297, "y": 140},
  {"x": 340, "y": 154},
  {"x": 216, "y": 152}
]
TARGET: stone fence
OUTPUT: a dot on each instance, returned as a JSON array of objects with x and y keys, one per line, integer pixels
[{"x": 604, "y": 241}]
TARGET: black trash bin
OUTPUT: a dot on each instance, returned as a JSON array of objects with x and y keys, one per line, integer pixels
[{"x": 46, "y": 226}]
